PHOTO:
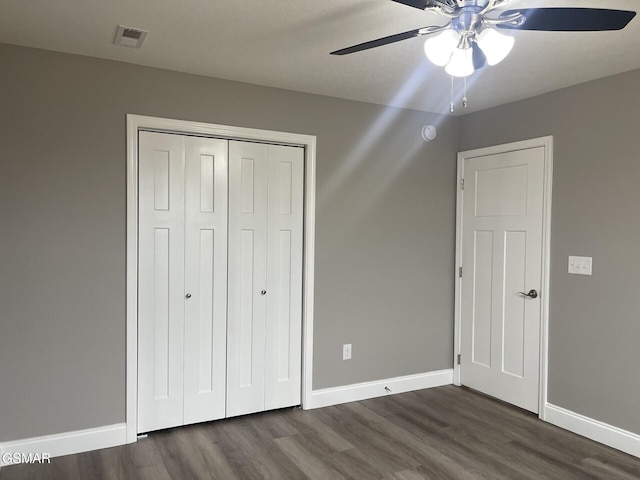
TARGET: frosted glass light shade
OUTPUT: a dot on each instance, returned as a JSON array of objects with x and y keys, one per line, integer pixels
[
  {"x": 438, "y": 48},
  {"x": 461, "y": 63},
  {"x": 495, "y": 45}
]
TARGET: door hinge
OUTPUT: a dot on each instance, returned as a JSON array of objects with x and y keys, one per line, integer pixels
[
  {"x": 460, "y": 272},
  {"x": 459, "y": 359},
  {"x": 462, "y": 184}
]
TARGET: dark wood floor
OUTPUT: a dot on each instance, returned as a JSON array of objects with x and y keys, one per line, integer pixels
[{"x": 441, "y": 433}]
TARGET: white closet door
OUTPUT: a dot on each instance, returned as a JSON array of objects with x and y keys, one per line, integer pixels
[
  {"x": 283, "y": 363},
  {"x": 161, "y": 281},
  {"x": 207, "y": 351},
  {"x": 205, "y": 280},
  {"x": 247, "y": 277}
]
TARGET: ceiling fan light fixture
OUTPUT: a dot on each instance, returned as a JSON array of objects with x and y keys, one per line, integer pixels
[
  {"x": 439, "y": 48},
  {"x": 495, "y": 45},
  {"x": 470, "y": 39},
  {"x": 461, "y": 63}
]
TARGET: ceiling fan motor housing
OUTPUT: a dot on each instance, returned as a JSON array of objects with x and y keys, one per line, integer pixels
[{"x": 468, "y": 21}]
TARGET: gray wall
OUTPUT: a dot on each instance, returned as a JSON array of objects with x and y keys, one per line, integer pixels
[
  {"x": 384, "y": 242},
  {"x": 594, "y": 322}
]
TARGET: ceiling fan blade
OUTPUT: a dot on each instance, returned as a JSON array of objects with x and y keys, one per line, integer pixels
[
  {"x": 398, "y": 37},
  {"x": 570, "y": 19},
  {"x": 420, "y": 4},
  {"x": 477, "y": 56}
]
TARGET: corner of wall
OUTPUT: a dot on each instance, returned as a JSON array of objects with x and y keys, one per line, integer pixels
[{"x": 596, "y": 430}]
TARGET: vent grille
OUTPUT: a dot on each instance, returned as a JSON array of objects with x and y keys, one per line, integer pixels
[
  {"x": 129, "y": 37},
  {"x": 131, "y": 33}
]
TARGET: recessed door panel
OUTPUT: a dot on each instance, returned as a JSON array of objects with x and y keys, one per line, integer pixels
[
  {"x": 482, "y": 308},
  {"x": 161, "y": 162},
  {"x": 161, "y": 353},
  {"x": 285, "y": 185},
  {"x": 247, "y": 324},
  {"x": 283, "y": 318},
  {"x": 501, "y": 191},
  {"x": 206, "y": 320},
  {"x": 513, "y": 311},
  {"x": 207, "y": 180},
  {"x": 247, "y": 182}
]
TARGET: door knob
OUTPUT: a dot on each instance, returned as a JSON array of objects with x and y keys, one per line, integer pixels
[
  {"x": 531, "y": 294},
  {"x": 188, "y": 295},
  {"x": 263, "y": 292}
]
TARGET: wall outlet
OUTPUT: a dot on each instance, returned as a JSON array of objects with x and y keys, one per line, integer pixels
[
  {"x": 580, "y": 265},
  {"x": 346, "y": 351}
]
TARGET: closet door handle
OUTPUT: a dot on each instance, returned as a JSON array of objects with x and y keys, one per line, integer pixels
[
  {"x": 263, "y": 292},
  {"x": 188, "y": 295},
  {"x": 531, "y": 294}
]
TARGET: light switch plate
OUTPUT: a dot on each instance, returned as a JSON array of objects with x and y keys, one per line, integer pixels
[
  {"x": 580, "y": 265},
  {"x": 346, "y": 351}
]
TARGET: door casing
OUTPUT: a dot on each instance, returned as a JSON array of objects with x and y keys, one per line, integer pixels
[
  {"x": 547, "y": 144},
  {"x": 136, "y": 123}
]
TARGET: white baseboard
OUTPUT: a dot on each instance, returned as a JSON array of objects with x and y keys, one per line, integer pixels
[
  {"x": 68, "y": 442},
  {"x": 609, "y": 435},
  {"x": 363, "y": 391}
]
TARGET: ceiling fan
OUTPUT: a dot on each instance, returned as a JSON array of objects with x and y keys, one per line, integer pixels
[{"x": 470, "y": 39}]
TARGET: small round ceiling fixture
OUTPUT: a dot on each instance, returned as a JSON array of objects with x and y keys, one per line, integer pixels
[{"x": 429, "y": 133}]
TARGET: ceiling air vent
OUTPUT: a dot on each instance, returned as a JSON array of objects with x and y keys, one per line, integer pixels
[{"x": 129, "y": 37}]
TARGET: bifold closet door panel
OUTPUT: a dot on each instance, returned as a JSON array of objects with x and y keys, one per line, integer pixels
[
  {"x": 205, "y": 356},
  {"x": 161, "y": 281},
  {"x": 283, "y": 363},
  {"x": 247, "y": 277}
]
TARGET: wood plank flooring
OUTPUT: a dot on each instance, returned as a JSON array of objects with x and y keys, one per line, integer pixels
[{"x": 440, "y": 433}]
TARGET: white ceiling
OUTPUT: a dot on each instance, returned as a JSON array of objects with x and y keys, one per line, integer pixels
[{"x": 286, "y": 44}]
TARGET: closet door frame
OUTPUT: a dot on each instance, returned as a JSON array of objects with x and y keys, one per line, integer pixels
[{"x": 137, "y": 123}]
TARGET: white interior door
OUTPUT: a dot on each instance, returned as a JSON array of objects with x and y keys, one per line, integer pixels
[
  {"x": 161, "y": 281},
  {"x": 205, "y": 331},
  {"x": 502, "y": 226},
  {"x": 283, "y": 362},
  {"x": 265, "y": 277}
]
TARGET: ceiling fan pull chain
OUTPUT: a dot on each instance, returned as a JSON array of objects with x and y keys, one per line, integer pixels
[
  {"x": 464, "y": 96},
  {"x": 451, "y": 102}
]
